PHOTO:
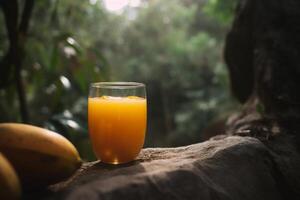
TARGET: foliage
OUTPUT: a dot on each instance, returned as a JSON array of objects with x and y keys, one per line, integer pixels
[
  {"x": 221, "y": 10},
  {"x": 173, "y": 46}
]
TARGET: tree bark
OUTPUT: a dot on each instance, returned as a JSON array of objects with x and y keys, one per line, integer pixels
[{"x": 262, "y": 52}]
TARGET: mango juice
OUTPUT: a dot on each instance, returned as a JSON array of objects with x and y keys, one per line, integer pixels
[{"x": 117, "y": 127}]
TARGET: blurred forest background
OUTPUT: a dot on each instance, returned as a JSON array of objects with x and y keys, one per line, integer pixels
[{"x": 175, "y": 47}]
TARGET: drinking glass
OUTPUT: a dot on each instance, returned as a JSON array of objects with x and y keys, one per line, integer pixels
[{"x": 117, "y": 115}]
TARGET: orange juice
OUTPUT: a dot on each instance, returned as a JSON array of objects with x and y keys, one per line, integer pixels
[{"x": 117, "y": 127}]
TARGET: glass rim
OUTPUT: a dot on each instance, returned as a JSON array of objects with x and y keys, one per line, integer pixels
[{"x": 117, "y": 85}]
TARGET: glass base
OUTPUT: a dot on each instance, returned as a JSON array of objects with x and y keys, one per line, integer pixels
[{"x": 116, "y": 162}]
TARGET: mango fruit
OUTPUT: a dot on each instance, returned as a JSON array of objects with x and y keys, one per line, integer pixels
[
  {"x": 10, "y": 188},
  {"x": 40, "y": 157}
]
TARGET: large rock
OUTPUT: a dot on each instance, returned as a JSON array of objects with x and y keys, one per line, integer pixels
[{"x": 227, "y": 168}]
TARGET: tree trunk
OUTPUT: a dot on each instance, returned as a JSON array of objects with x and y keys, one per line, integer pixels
[
  {"x": 17, "y": 31},
  {"x": 262, "y": 52}
]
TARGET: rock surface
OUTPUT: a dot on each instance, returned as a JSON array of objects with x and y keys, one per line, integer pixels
[{"x": 226, "y": 168}]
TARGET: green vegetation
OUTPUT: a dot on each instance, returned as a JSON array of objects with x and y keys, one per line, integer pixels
[{"x": 173, "y": 46}]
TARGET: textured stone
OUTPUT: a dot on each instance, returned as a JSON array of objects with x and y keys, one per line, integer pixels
[{"x": 225, "y": 168}]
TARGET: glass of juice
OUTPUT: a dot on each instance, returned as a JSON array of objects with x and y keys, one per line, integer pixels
[{"x": 117, "y": 116}]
